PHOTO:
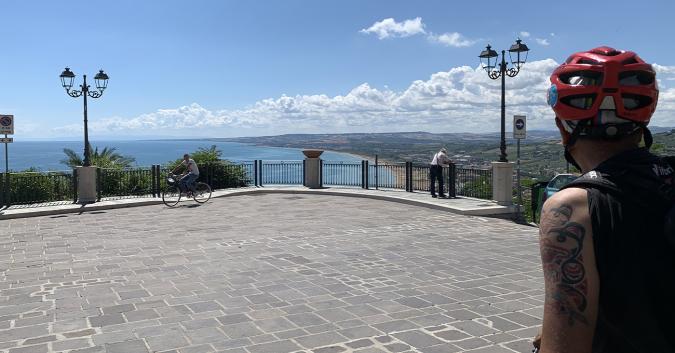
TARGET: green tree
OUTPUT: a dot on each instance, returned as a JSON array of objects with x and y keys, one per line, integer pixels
[{"x": 106, "y": 158}]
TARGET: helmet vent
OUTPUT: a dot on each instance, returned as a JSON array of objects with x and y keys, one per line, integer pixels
[
  {"x": 588, "y": 61},
  {"x": 634, "y": 101},
  {"x": 629, "y": 61},
  {"x": 580, "y": 101},
  {"x": 636, "y": 78},
  {"x": 582, "y": 78}
]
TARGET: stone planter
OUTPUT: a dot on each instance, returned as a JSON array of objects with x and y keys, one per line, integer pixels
[{"x": 312, "y": 153}]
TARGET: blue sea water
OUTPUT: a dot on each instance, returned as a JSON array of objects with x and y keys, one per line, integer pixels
[{"x": 47, "y": 155}]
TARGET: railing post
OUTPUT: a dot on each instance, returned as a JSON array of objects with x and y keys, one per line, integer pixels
[
  {"x": 260, "y": 170},
  {"x": 304, "y": 171},
  {"x": 255, "y": 171},
  {"x": 408, "y": 177},
  {"x": 377, "y": 185},
  {"x": 320, "y": 172},
  {"x": 99, "y": 184},
  {"x": 158, "y": 185},
  {"x": 365, "y": 172},
  {"x": 452, "y": 180},
  {"x": 74, "y": 185}
]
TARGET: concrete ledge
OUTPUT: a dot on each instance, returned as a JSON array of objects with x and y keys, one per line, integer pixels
[{"x": 461, "y": 205}]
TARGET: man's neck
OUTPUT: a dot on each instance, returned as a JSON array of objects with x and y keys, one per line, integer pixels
[{"x": 589, "y": 154}]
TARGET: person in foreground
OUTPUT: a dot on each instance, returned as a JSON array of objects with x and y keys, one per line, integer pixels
[
  {"x": 436, "y": 171},
  {"x": 187, "y": 181},
  {"x": 607, "y": 239}
]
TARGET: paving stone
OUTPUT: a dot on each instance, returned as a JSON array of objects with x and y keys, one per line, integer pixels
[
  {"x": 274, "y": 347},
  {"x": 135, "y": 346},
  {"x": 162, "y": 343},
  {"x": 359, "y": 343},
  {"x": 106, "y": 320},
  {"x": 417, "y": 339},
  {"x": 319, "y": 340}
]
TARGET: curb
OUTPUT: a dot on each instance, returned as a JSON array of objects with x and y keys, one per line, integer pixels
[{"x": 488, "y": 211}]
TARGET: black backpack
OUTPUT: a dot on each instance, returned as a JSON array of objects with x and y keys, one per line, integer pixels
[{"x": 661, "y": 192}]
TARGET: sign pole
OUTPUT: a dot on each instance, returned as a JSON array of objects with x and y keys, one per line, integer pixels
[
  {"x": 520, "y": 191},
  {"x": 5, "y": 199}
]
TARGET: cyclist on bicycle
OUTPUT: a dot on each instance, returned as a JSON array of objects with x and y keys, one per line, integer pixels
[{"x": 189, "y": 178}]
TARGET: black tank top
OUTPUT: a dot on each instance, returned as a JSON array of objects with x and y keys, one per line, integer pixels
[{"x": 635, "y": 258}]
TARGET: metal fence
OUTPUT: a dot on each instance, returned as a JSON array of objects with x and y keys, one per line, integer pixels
[
  {"x": 342, "y": 173},
  {"x": 136, "y": 182},
  {"x": 27, "y": 188},
  {"x": 31, "y": 188},
  {"x": 474, "y": 183}
]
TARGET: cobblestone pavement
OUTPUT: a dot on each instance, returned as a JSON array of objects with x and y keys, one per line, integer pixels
[{"x": 269, "y": 274}]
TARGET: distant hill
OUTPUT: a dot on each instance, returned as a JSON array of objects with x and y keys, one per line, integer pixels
[{"x": 542, "y": 154}]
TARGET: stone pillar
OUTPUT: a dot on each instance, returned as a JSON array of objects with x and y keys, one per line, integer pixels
[
  {"x": 312, "y": 168},
  {"x": 86, "y": 185},
  {"x": 502, "y": 183}
]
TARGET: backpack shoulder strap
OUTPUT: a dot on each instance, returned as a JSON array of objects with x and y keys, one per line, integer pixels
[{"x": 594, "y": 179}]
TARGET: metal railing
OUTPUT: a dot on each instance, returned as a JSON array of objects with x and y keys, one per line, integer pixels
[
  {"x": 342, "y": 173},
  {"x": 281, "y": 172},
  {"x": 150, "y": 181},
  {"x": 27, "y": 188},
  {"x": 474, "y": 183},
  {"x": 138, "y": 182},
  {"x": 387, "y": 176}
]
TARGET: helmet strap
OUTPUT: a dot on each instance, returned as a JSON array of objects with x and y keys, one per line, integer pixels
[
  {"x": 572, "y": 140},
  {"x": 647, "y": 136}
]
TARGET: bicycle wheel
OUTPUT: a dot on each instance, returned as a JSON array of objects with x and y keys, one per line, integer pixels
[
  {"x": 202, "y": 192},
  {"x": 171, "y": 196}
]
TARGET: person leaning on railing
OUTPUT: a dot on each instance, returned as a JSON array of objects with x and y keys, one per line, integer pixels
[
  {"x": 191, "y": 174},
  {"x": 436, "y": 171}
]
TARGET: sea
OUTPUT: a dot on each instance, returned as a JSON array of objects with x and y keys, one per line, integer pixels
[{"x": 47, "y": 155}]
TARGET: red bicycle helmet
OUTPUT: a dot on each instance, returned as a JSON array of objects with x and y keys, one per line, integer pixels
[{"x": 605, "y": 85}]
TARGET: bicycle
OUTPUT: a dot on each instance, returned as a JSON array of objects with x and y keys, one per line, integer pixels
[{"x": 173, "y": 191}]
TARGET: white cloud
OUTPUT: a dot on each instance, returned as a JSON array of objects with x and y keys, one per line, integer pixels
[
  {"x": 542, "y": 41},
  {"x": 524, "y": 34},
  {"x": 462, "y": 99},
  {"x": 453, "y": 39},
  {"x": 389, "y": 28}
]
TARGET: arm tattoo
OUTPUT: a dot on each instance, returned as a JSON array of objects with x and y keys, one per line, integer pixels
[{"x": 561, "y": 245}]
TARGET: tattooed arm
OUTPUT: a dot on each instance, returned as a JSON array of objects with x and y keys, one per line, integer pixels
[{"x": 570, "y": 274}]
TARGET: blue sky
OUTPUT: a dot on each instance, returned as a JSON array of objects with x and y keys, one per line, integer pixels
[{"x": 209, "y": 68}]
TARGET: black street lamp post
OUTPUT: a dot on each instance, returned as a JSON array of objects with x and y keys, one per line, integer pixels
[
  {"x": 502, "y": 72},
  {"x": 101, "y": 79}
]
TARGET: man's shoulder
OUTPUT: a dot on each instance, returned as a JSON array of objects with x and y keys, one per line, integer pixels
[{"x": 573, "y": 197}]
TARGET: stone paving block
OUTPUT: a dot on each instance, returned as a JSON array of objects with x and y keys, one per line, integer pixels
[
  {"x": 285, "y": 346},
  {"x": 233, "y": 319},
  {"x": 319, "y": 340},
  {"x": 42, "y": 348},
  {"x": 306, "y": 319},
  {"x": 133, "y": 346},
  {"x": 106, "y": 320},
  {"x": 241, "y": 330},
  {"x": 417, "y": 339},
  {"x": 162, "y": 343},
  {"x": 394, "y": 326},
  {"x": 139, "y": 315},
  {"x": 71, "y": 344}
]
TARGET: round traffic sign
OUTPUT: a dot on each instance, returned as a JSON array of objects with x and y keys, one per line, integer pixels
[
  {"x": 520, "y": 123},
  {"x": 5, "y": 121}
]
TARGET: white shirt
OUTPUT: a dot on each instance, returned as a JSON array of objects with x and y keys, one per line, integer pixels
[
  {"x": 191, "y": 166},
  {"x": 441, "y": 158}
]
